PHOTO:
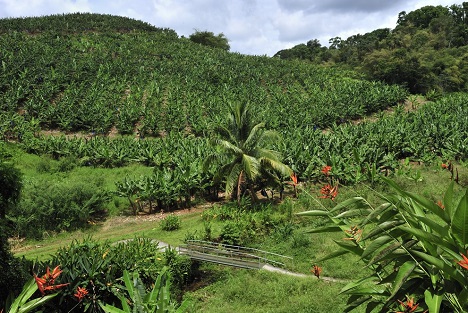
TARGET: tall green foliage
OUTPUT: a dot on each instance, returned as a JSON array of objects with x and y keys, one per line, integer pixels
[
  {"x": 415, "y": 247},
  {"x": 249, "y": 158},
  {"x": 11, "y": 275}
]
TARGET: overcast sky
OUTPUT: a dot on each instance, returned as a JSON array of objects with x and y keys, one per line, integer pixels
[{"x": 260, "y": 27}]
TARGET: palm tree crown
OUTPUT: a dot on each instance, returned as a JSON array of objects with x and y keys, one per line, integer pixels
[{"x": 245, "y": 144}]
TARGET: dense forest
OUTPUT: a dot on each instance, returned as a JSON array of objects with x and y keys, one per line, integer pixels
[{"x": 427, "y": 50}]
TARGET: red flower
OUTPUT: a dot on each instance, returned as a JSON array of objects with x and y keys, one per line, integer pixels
[
  {"x": 46, "y": 282},
  {"x": 316, "y": 271},
  {"x": 440, "y": 204},
  {"x": 329, "y": 192},
  {"x": 463, "y": 263},
  {"x": 409, "y": 306},
  {"x": 444, "y": 166},
  {"x": 80, "y": 293},
  {"x": 326, "y": 169},
  {"x": 294, "y": 179}
]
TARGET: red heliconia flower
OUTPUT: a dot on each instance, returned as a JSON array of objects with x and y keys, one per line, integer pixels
[
  {"x": 326, "y": 169},
  {"x": 409, "y": 306},
  {"x": 329, "y": 192},
  {"x": 463, "y": 263},
  {"x": 316, "y": 271},
  {"x": 294, "y": 179},
  {"x": 80, "y": 293},
  {"x": 46, "y": 282}
]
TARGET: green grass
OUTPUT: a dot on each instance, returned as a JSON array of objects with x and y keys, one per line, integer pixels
[{"x": 261, "y": 291}]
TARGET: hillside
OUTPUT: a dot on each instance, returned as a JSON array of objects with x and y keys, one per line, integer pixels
[
  {"x": 152, "y": 84},
  {"x": 75, "y": 79}
]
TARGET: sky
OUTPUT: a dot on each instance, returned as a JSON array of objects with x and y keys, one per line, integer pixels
[{"x": 255, "y": 27}]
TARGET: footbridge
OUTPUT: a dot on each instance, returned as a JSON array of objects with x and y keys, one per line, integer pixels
[{"x": 231, "y": 255}]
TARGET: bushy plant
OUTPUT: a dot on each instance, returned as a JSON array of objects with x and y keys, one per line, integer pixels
[
  {"x": 415, "y": 247},
  {"x": 57, "y": 206},
  {"x": 141, "y": 301},
  {"x": 171, "y": 222},
  {"x": 93, "y": 271}
]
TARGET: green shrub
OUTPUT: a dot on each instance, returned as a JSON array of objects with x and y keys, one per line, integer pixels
[
  {"x": 170, "y": 222},
  {"x": 415, "y": 247},
  {"x": 56, "y": 206},
  {"x": 98, "y": 267}
]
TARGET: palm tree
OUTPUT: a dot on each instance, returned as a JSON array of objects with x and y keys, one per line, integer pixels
[{"x": 244, "y": 144}]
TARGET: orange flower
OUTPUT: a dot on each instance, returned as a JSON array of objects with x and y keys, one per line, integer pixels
[
  {"x": 46, "y": 282},
  {"x": 409, "y": 306},
  {"x": 463, "y": 263},
  {"x": 316, "y": 271},
  {"x": 326, "y": 169},
  {"x": 355, "y": 234},
  {"x": 440, "y": 204},
  {"x": 80, "y": 293},
  {"x": 444, "y": 166},
  {"x": 329, "y": 192},
  {"x": 294, "y": 179}
]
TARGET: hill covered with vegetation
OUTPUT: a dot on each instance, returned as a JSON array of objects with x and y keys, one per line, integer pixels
[
  {"x": 427, "y": 51},
  {"x": 107, "y": 113}
]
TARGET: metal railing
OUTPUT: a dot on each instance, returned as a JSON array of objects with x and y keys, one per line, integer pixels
[{"x": 230, "y": 254}]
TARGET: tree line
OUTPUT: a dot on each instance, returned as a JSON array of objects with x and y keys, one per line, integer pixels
[{"x": 426, "y": 51}]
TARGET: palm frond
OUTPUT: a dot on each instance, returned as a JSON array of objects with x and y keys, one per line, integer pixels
[
  {"x": 229, "y": 147},
  {"x": 231, "y": 179},
  {"x": 251, "y": 166},
  {"x": 253, "y": 138},
  {"x": 267, "y": 154},
  {"x": 277, "y": 166}
]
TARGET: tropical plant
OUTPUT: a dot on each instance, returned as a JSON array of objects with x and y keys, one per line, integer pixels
[
  {"x": 157, "y": 300},
  {"x": 250, "y": 162},
  {"x": 415, "y": 247},
  {"x": 23, "y": 304}
]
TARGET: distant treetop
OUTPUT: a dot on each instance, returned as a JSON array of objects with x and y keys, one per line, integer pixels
[{"x": 210, "y": 39}]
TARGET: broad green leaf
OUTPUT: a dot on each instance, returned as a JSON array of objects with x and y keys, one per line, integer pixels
[
  {"x": 313, "y": 213},
  {"x": 353, "y": 305},
  {"x": 350, "y": 247},
  {"x": 383, "y": 228},
  {"x": 35, "y": 303},
  {"x": 405, "y": 270},
  {"x": 428, "y": 238},
  {"x": 391, "y": 249},
  {"x": 436, "y": 227},
  {"x": 333, "y": 255},
  {"x": 433, "y": 300},
  {"x": 325, "y": 229},
  {"x": 459, "y": 227},
  {"x": 375, "y": 245},
  {"x": 353, "y": 213},
  {"x": 441, "y": 265},
  {"x": 427, "y": 204},
  {"x": 354, "y": 203},
  {"x": 372, "y": 217},
  {"x": 26, "y": 293},
  {"x": 358, "y": 282},
  {"x": 111, "y": 309},
  {"x": 448, "y": 201}
]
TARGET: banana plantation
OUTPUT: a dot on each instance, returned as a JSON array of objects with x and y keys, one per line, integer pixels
[{"x": 161, "y": 98}]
